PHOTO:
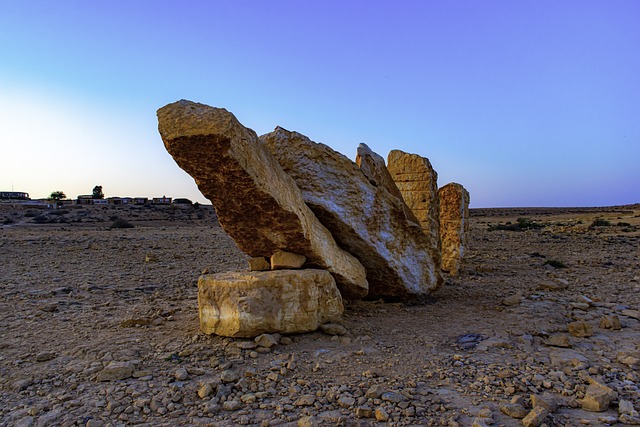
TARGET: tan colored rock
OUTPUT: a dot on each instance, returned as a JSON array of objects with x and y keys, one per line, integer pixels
[
  {"x": 241, "y": 304},
  {"x": 454, "y": 225},
  {"x": 256, "y": 202},
  {"x": 366, "y": 220},
  {"x": 374, "y": 168},
  {"x": 259, "y": 263},
  {"x": 281, "y": 260},
  {"x": 580, "y": 329},
  {"x": 536, "y": 417},
  {"x": 597, "y": 397},
  {"x": 418, "y": 183}
]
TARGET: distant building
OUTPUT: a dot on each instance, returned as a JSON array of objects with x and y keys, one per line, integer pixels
[
  {"x": 14, "y": 195},
  {"x": 140, "y": 200},
  {"x": 100, "y": 201},
  {"x": 85, "y": 199},
  {"x": 161, "y": 200},
  {"x": 119, "y": 200}
]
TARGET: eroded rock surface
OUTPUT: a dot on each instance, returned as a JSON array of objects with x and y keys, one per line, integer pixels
[
  {"x": 257, "y": 203},
  {"x": 247, "y": 304},
  {"x": 418, "y": 183},
  {"x": 366, "y": 220},
  {"x": 454, "y": 225}
]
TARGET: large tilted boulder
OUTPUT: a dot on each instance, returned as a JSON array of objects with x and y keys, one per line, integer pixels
[
  {"x": 454, "y": 225},
  {"x": 366, "y": 220},
  {"x": 257, "y": 203},
  {"x": 418, "y": 183},
  {"x": 247, "y": 304}
]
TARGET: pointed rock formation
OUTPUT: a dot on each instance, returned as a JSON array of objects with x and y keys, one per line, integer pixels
[
  {"x": 374, "y": 168},
  {"x": 257, "y": 203},
  {"x": 418, "y": 183},
  {"x": 454, "y": 225},
  {"x": 366, "y": 220},
  {"x": 237, "y": 304}
]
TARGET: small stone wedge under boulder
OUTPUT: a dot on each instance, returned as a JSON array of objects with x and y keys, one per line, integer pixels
[
  {"x": 367, "y": 220},
  {"x": 257, "y": 203},
  {"x": 454, "y": 225},
  {"x": 247, "y": 304}
]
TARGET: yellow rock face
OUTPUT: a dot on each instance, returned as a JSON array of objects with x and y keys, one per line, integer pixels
[
  {"x": 454, "y": 225},
  {"x": 247, "y": 304},
  {"x": 257, "y": 203}
]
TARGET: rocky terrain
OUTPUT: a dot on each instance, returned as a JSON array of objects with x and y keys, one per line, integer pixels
[{"x": 99, "y": 328}]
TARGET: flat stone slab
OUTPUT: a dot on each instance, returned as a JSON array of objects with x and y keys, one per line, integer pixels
[{"x": 248, "y": 304}]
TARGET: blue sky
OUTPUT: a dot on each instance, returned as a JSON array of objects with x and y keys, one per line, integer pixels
[{"x": 525, "y": 103}]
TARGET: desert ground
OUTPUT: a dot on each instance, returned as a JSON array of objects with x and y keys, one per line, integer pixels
[{"x": 99, "y": 327}]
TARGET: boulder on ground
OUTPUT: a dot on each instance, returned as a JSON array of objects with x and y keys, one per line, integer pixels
[
  {"x": 257, "y": 203},
  {"x": 366, "y": 220},
  {"x": 454, "y": 225},
  {"x": 248, "y": 304}
]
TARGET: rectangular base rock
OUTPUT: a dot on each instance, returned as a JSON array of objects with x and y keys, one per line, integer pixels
[{"x": 247, "y": 304}]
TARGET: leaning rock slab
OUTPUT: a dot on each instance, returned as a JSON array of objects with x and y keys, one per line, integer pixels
[
  {"x": 454, "y": 225},
  {"x": 248, "y": 304},
  {"x": 257, "y": 203},
  {"x": 366, "y": 220}
]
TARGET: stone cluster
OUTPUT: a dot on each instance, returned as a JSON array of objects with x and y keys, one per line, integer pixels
[{"x": 296, "y": 205}]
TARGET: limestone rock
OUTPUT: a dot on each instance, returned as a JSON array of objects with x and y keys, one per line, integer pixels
[
  {"x": 281, "y": 260},
  {"x": 241, "y": 304},
  {"x": 256, "y": 202},
  {"x": 115, "y": 371},
  {"x": 366, "y": 220},
  {"x": 374, "y": 168},
  {"x": 418, "y": 183},
  {"x": 580, "y": 329},
  {"x": 259, "y": 263},
  {"x": 454, "y": 225},
  {"x": 536, "y": 417},
  {"x": 514, "y": 410},
  {"x": 597, "y": 397}
]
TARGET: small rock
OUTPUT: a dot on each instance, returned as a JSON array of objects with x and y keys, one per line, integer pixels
[
  {"x": 631, "y": 313},
  {"x": 346, "y": 401},
  {"x": 626, "y": 407},
  {"x": 548, "y": 285},
  {"x": 546, "y": 400},
  {"x": 375, "y": 391},
  {"x": 286, "y": 341},
  {"x": 611, "y": 322},
  {"x": 630, "y": 420},
  {"x": 259, "y": 264},
  {"x": 558, "y": 340},
  {"x": 333, "y": 329},
  {"x": 393, "y": 397},
  {"x": 45, "y": 356},
  {"x": 181, "y": 374},
  {"x": 150, "y": 258},
  {"x": 597, "y": 397},
  {"x": 535, "y": 418},
  {"x": 381, "y": 414},
  {"x": 364, "y": 412},
  {"x": 229, "y": 376},
  {"x": 512, "y": 300},
  {"x": 479, "y": 422},
  {"x": 115, "y": 371},
  {"x": 580, "y": 329},
  {"x": 231, "y": 405},
  {"x": 308, "y": 422},
  {"x": 305, "y": 400},
  {"x": 205, "y": 390},
  {"x": 514, "y": 410},
  {"x": 282, "y": 260},
  {"x": 266, "y": 340}
]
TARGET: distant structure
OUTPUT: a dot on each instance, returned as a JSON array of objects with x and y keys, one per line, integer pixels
[
  {"x": 161, "y": 200},
  {"x": 14, "y": 195}
]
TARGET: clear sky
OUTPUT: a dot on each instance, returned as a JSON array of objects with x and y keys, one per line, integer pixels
[{"x": 525, "y": 103}]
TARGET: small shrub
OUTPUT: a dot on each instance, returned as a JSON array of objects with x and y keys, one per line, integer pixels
[
  {"x": 536, "y": 255},
  {"x": 520, "y": 225},
  {"x": 599, "y": 222},
  {"x": 624, "y": 224},
  {"x": 555, "y": 263},
  {"x": 7, "y": 221},
  {"x": 121, "y": 223}
]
